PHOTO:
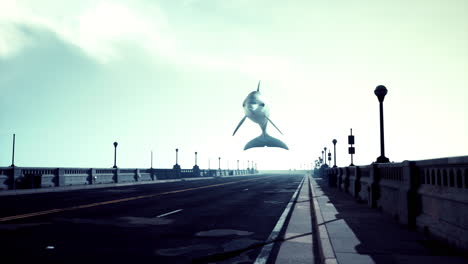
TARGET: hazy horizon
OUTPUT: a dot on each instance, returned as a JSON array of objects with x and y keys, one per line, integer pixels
[{"x": 76, "y": 76}]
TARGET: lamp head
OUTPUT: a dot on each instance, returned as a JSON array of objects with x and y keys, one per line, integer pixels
[{"x": 380, "y": 91}]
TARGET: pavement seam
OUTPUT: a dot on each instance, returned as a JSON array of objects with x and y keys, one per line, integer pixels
[
  {"x": 264, "y": 255},
  {"x": 327, "y": 253}
]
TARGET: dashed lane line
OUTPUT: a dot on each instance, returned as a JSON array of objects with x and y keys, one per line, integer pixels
[{"x": 172, "y": 212}]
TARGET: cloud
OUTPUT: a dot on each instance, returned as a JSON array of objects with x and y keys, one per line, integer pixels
[
  {"x": 98, "y": 28},
  {"x": 108, "y": 30}
]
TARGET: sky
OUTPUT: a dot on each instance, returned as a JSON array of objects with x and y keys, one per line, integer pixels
[{"x": 75, "y": 76}]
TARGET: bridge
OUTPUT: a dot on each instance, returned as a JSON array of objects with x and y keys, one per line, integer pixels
[{"x": 379, "y": 213}]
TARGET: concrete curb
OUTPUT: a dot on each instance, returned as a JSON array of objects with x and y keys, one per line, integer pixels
[
  {"x": 104, "y": 185},
  {"x": 265, "y": 253},
  {"x": 327, "y": 253}
]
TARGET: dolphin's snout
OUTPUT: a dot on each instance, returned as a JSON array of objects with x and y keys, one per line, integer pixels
[{"x": 253, "y": 107}]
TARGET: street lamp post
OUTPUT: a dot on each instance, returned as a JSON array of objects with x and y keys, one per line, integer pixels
[
  {"x": 380, "y": 91},
  {"x": 334, "y": 152},
  {"x": 219, "y": 163},
  {"x": 177, "y": 156},
  {"x": 151, "y": 159},
  {"x": 196, "y": 158},
  {"x": 237, "y": 164},
  {"x": 13, "y": 153},
  {"x": 115, "y": 154},
  {"x": 325, "y": 153}
]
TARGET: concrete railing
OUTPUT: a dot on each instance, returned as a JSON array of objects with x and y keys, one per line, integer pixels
[
  {"x": 431, "y": 195},
  {"x": 28, "y": 177}
]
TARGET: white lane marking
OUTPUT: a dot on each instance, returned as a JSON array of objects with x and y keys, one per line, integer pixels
[
  {"x": 172, "y": 212},
  {"x": 266, "y": 249},
  {"x": 52, "y": 211}
]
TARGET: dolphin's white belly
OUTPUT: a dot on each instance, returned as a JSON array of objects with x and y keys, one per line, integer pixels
[{"x": 258, "y": 117}]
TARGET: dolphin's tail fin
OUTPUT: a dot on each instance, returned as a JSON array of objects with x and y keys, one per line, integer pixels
[{"x": 265, "y": 140}]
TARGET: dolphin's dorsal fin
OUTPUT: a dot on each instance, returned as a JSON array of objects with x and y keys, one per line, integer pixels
[
  {"x": 273, "y": 124},
  {"x": 240, "y": 123},
  {"x": 258, "y": 86}
]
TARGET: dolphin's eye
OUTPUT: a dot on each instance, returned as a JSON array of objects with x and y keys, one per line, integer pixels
[{"x": 262, "y": 104}]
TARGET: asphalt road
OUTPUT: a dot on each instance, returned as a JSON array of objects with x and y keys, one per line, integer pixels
[{"x": 222, "y": 220}]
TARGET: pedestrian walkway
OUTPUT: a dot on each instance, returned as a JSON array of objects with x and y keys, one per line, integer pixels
[
  {"x": 350, "y": 232},
  {"x": 297, "y": 245}
]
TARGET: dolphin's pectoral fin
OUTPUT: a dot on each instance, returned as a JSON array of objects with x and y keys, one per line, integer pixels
[
  {"x": 240, "y": 123},
  {"x": 274, "y": 125},
  {"x": 265, "y": 140}
]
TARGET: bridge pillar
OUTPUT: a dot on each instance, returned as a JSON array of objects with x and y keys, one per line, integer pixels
[
  {"x": 116, "y": 175},
  {"x": 196, "y": 171},
  {"x": 137, "y": 175},
  {"x": 60, "y": 180},
  {"x": 408, "y": 207},
  {"x": 374, "y": 189},
  {"x": 176, "y": 169},
  {"x": 92, "y": 176},
  {"x": 14, "y": 175},
  {"x": 356, "y": 186}
]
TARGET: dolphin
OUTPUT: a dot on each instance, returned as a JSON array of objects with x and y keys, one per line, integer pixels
[{"x": 258, "y": 111}]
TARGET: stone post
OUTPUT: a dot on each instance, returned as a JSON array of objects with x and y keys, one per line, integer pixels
[
  {"x": 374, "y": 188},
  {"x": 60, "y": 180}
]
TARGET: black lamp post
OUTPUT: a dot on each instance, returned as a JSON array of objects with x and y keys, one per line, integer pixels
[
  {"x": 115, "y": 154},
  {"x": 177, "y": 156},
  {"x": 334, "y": 152},
  {"x": 380, "y": 92},
  {"x": 325, "y": 155},
  {"x": 196, "y": 158},
  {"x": 219, "y": 163},
  {"x": 329, "y": 157},
  {"x": 13, "y": 153}
]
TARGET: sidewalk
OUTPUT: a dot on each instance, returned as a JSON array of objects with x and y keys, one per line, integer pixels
[
  {"x": 298, "y": 243},
  {"x": 350, "y": 233}
]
